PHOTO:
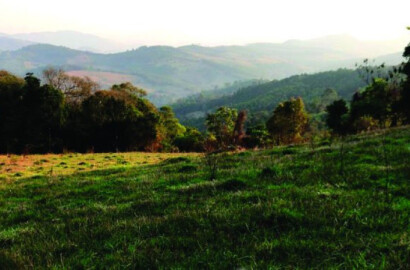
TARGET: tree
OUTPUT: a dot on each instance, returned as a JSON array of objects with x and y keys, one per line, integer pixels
[
  {"x": 119, "y": 123},
  {"x": 238, "y": 131},
  {"x": 11, "y": 92},
  {"x": 31, "y": 115},
  {"x": 43, "y": 116},
  {"x": 36, "y": 118},
  {"x": 257, "y": 136},
  {"x": 191, "y": 141},
  {"x": 75, "y": 89},
  {"x": 405, "y": 96},
  {"x": 170, "y": 128},
  {"x": 170, "y": 123},
  {"x": 336, "y": 118},
  {"x": 221, "y": 125},
  {"x": 375, "y": 101},
  {"x": 288, "y": 122},
  {"x": 130, "y": 89},
  {"x": 55, "y": 77},
  {"x": 368, "y": 71},
  {"x": 319, "y": 104}
]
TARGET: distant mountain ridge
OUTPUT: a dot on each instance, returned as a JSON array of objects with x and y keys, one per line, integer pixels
[
  {"x": 74, "y": 40},
  {"x": 70, "y": 39},
  {"x": 9, "y": 43},
  {"x": 169, "y": 73}
]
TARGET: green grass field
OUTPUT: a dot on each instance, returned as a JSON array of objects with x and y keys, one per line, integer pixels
[
  {"x": 332, "y": 205},
  {"x": 15, "y": 167}
]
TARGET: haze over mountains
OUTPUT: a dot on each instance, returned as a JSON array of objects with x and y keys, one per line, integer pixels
[
  {"x": 169, "y": 72},
  {"x": 70, "y": 39}
]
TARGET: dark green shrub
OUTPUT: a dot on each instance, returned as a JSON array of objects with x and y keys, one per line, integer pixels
[
  {"x": 270, "y": 172},
  {"x": 175, "y": 160},
  {"x": 288, "y": 151},
  {"x": 188, "y": 168},
  {"x": 232, "y": 185}
]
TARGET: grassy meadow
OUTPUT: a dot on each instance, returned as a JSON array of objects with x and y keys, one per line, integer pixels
[
  {"x": 341, "y": 204},
  {"x": 14, "y": 167}
]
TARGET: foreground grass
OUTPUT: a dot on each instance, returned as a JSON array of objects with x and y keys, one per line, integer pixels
[{"x": 320, "y": 206}]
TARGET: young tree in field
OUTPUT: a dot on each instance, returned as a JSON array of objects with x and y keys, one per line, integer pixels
[
  {"x": 288, "y": 122},
  {"x": 221, "y": 125},
  {"x": 336, "y": 118}
]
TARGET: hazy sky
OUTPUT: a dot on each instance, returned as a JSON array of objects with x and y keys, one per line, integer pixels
[{"x": 209, "y": 22}]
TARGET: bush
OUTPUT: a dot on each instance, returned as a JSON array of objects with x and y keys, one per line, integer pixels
[
  {"x": 188, "y": 168},
  {"x": 232, "y": 185},
  {"x": 270, "y": 172},
  {"x": 176, "y": 160}
]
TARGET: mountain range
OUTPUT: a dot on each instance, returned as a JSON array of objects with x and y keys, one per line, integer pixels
[
  {"x": 70, "y": 39},
  {"x": 169, "y": 73}
]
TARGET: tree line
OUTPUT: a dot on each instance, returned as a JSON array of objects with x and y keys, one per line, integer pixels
[
  {"x": 69, "y": 113},
  {"x": 383, "y": 103}
]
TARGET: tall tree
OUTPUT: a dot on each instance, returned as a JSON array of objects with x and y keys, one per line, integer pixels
[
  {"x": 11, "y": 92},
  {"x": 336, "y": 118},
  {"x": 288, "y": 122},
  {"x": 221, "y": 124},
  {"x": 116, "y": 123},
  {"x": 170, "y": 128},
  {"x": 405, "y": 97},
  {"x": 43, "y": 116},
  {"x": 375, "y": 101},
  {"x": 238, "y": 131}
]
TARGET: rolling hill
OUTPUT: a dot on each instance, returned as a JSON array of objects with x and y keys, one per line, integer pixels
[
  {"x": 169, "y": 73},
  {"x": 260, "y": 99}
]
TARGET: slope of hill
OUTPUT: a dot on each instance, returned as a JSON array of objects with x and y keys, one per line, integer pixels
[
  {"x": 291, "y": 207},
  {"x": 172, "y": 73},
  {"x": 260, "y": 100}
]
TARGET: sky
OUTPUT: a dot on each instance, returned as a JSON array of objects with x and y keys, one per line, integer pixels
[{"x": 209, "y": 22}]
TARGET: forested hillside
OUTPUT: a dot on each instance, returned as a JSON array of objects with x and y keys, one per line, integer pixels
[
  {"x": 259, "y": 100},
  {"x": 66, "y": 112}
]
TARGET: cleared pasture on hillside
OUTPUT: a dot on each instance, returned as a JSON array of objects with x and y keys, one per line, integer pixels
[
  {"x": 19, "y": 166},
  {"x": 292, "y": 207}
]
